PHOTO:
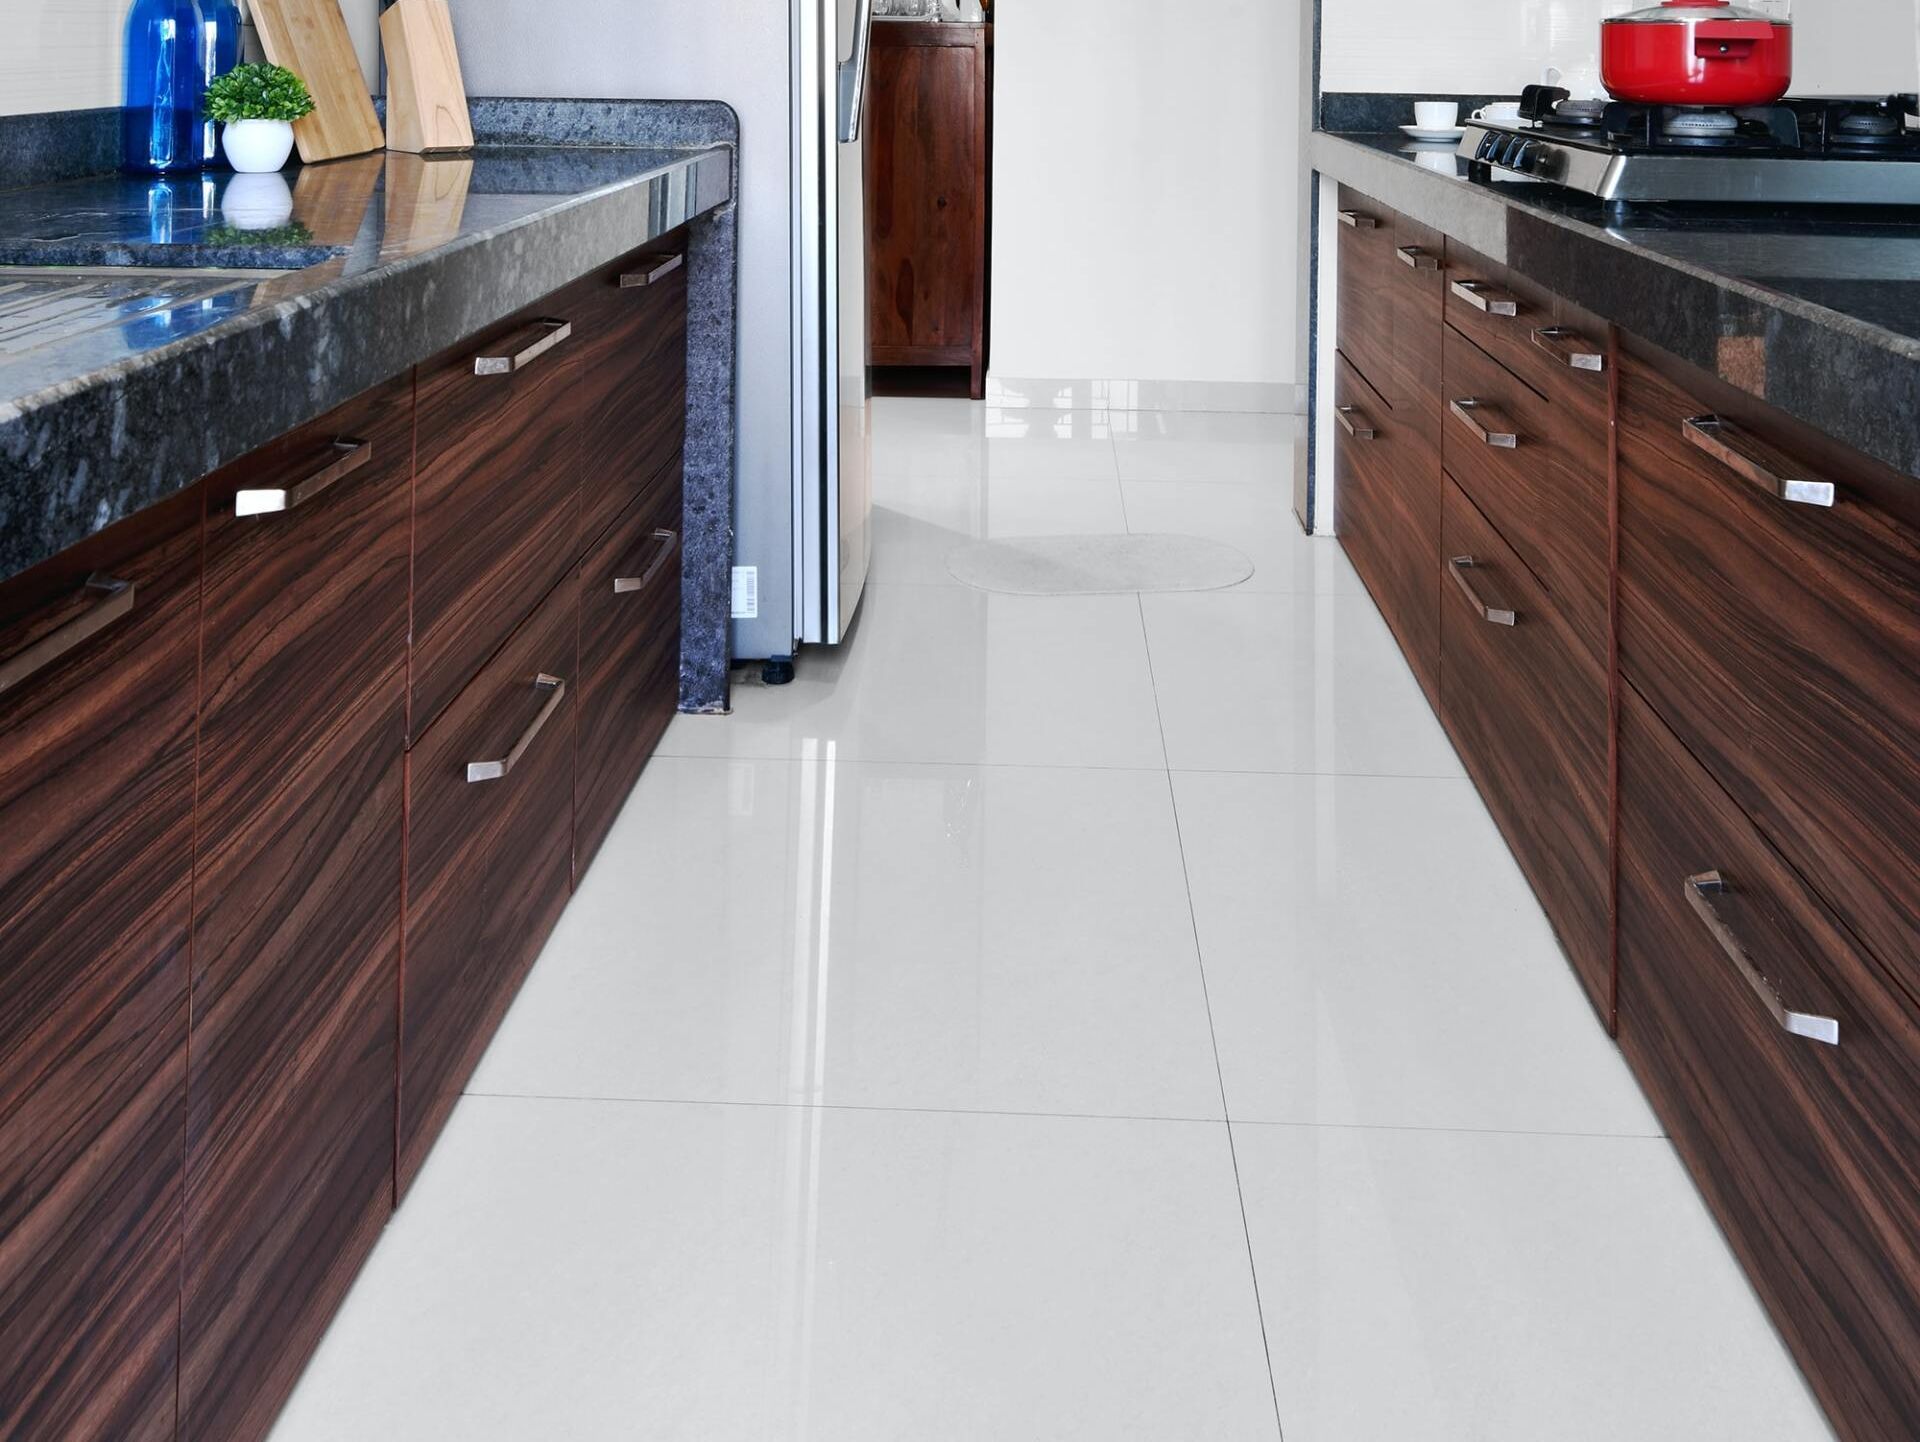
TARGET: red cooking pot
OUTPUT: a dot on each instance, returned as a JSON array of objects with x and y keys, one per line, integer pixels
[{"x": 1696, "y": 52}]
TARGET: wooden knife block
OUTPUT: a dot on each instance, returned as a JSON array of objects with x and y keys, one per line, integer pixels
[{"x": 426, "y": 97}]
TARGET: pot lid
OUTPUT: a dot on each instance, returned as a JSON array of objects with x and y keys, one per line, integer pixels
[{"x": 1688, "y": 12}]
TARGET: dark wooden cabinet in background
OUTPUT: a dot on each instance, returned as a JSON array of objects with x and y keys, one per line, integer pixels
[
  {"x": 928, "y": 163},
  {"x": 97, "y": 657}
]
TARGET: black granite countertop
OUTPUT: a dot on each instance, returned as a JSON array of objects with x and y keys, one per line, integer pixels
[
  {"x": 1814, "y": 309},
  {"x": 119, "y": 387}
]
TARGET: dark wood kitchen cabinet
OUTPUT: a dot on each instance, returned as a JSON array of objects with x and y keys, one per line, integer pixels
[
  {"x": 97, "y": 701},
  {"x": 497, "y": 495},
  {"x": 928, "y": 163},
  {"x": 296, "y": 902},
  {"x": 489, "y": 861}
]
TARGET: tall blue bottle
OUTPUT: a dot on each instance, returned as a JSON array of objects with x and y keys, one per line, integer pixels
[
  {"x": 219, "y": 53},
  {"x": 164, "y": 82}
]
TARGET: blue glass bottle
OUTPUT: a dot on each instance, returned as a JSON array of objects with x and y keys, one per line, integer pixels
[
  {"x": 164, "y": 83},
  {"x": 219, "y": 53}
]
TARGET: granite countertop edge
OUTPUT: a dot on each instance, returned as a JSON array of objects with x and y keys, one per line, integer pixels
[
  {"x": 88, "y": 460},
  {"x": 1842, "y": 375}
]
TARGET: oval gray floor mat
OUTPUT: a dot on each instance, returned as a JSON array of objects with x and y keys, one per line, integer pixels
[{"x": 1098, "y": 565}]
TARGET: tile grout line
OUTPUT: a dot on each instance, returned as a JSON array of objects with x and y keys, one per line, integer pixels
[
  {"x": 1066, "y": 765},
  {"x": 1213, "y": 1037}
]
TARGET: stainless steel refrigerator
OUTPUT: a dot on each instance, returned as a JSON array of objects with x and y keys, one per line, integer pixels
[{"x": 832, "y": 380}]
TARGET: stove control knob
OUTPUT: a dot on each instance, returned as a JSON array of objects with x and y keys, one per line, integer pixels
[
  {"x": 1522, "y": 156},
  {"x": 1489, "y": 143}
]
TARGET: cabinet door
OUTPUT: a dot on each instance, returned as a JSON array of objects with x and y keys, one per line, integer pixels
[
  {"x": 629, "y": 663},
  {"x": 489, "y": 861},
  {"x": 633, "y": 383},
  {"x": 97, "y": 700},
  {"x": 926, "y": 194},
  {"x": 1806, "y": 1148},
  {"x": 1387, "y": 515},
  {"x": 296, "y": 904},
  {"x": 497, "y": 496},
  {"x": 1529, "y": 715}
]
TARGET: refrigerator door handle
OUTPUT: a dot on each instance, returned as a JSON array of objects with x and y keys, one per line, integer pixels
[{"x": 853, "y": 73}]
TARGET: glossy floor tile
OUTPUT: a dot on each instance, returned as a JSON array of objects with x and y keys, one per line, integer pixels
[
  {"x": 1256, "y": 520},
  {"x": 1205, "y": 446},
  {"x": 948, "y": 440},
  {"x": 917, "y": 524},
  {"x": 893, "y": 935},
  {"x": 1375, "y": 957},
  {"x": 1307, "y": 684},
  {"x": 946, "y": 673},
  {"x": 1479, "y": 1287},
  {"x": 606, "y": 1272}
]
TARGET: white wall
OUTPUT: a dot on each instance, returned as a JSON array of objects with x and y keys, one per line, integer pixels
[
  {"x": 1145, "y": 184},
  {"x": 67, "y": 54},
  {"x": 1841, "y": 47}
]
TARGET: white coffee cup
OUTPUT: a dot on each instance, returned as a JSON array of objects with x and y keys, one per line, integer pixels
[
  {"x": 1436, "y": 114},
  {"x": 1499, "y": 110}
]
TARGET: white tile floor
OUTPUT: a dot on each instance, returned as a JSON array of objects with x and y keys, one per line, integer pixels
[{"x": 1105, "y": 1018}]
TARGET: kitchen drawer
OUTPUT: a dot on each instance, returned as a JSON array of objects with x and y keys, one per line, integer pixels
[
  {"x": 97, "y": 700},
  {"x": 496, "y": 495},
  {"x": 306, "y": 589},
  {"x": 1387, "y": 515},
  {"x": 1807, "y": 1153},
  {"x": 1530, "y": 717},
  {"x": 489, "y": 860},
  {"x": 1551, "y": 344},
  {"x": 632, "y": 380},
  {"x": 629, "y": 660},
  {"x": 1416, "y": 287},
  {"x": 1781, "y": 642},
  {"x": 1365, "y": 303},
  {"x": 290, "y": 1088},
  {"x": 1539, "y": 472}
]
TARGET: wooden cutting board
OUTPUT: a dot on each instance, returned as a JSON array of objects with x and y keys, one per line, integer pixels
[
  {"x": 426, "y": 98},
  {"x": 310, "y": 38}
]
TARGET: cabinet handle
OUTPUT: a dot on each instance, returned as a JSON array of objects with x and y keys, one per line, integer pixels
[
  {"x": 1489, "y": 298},
  {"x": 627, "y": 585},
  {"x": 501, "y": 769},
  {"x": 116, "y": 604},
  {"x": 1701, "y": 891},
  {"x": 657, "y": 271},
  {"x": 523, "y": 348},
  {"x": 348, "y": 457},
  {"x": 1418, "y": 258},
  {"x": 1568, "y": 345},
  {"x": 1488, "y": 425},
  {"x": 1354, "y": 220},
  {"x": 1358, "y": 429},
  {"x": 1459, "y": 567},
  {"x": 1722, "y": 442}
]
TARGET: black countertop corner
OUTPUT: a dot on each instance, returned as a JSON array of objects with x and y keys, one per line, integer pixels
[{"x": 1815, "y": 310}]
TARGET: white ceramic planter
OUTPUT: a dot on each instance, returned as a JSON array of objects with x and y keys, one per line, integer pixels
[{"x": 255, "y": 147}]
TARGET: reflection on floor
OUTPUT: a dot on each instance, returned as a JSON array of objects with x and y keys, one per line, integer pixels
[{"x": 1104, "y": 1017}]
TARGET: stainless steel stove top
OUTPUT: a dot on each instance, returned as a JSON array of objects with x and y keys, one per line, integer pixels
[{"x": 1801, "y": 152}]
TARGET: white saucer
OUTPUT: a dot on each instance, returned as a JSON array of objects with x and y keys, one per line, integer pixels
[{"x": 1429, "y": 132}]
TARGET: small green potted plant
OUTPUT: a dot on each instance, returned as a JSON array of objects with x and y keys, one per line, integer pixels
[{"x": 257, "y": 105}]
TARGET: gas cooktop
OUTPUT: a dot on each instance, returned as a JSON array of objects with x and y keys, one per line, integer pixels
[{"x": 1813, "y": 152}]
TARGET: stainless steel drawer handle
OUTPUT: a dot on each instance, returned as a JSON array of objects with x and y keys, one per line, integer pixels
[
  {"x": 1353, "y": 423},
  {"x": 1724, "y": 443},
  {"x": 1354, "y": 220},
  {"x": 347, "y": 457},
  {"x": 1461, "y": 569},
  {"x": 1418, "y": 258},
  {"x": 627, "y": 585},
  {"x": 1486, "y": 423},
  {"x": 115, "y": 603},
  {"x": 1568, "y": 345},
  {"x": 1701, "y": 891},
  {"x": 523, "y": 348},
  {"x": 1488, "y": 298},
  {"x": 658, "y": 271},
  {"x": 503, "y": 768}
]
